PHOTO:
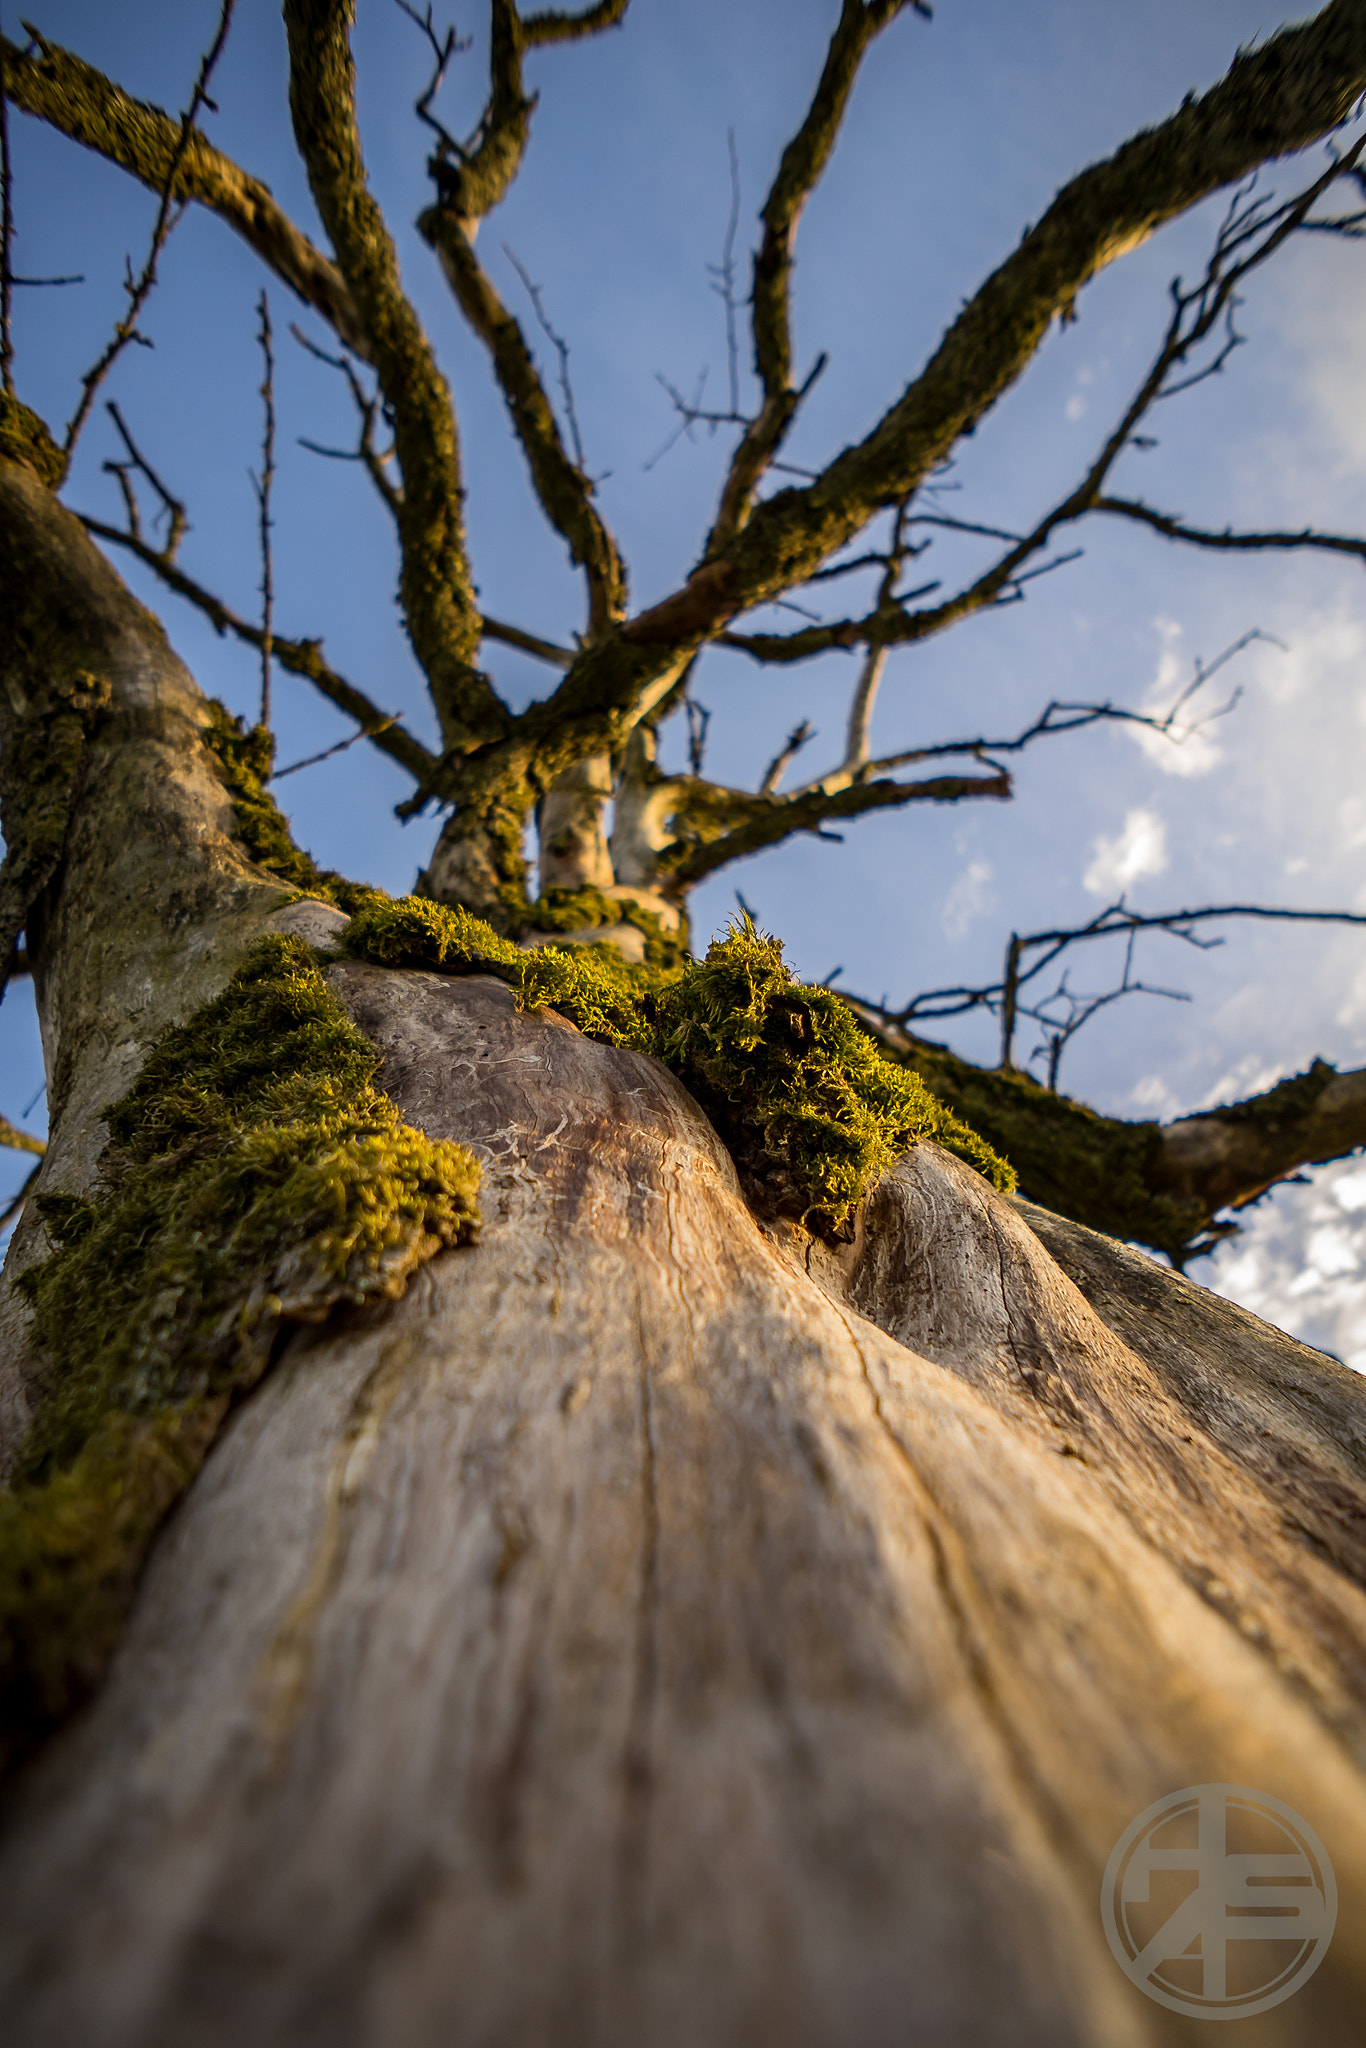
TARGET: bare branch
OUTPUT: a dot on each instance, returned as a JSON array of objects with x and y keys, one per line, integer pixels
[
  {"x": 438, "y": 597},
  {"x": 473, "y": 177},
  {"x": 263, "y": 486},
  {"x": 782, "y": 761},
  {"x": 1003, "y": 998},
  {"x": 558, "y": 25},
  {"x": 443, "y": 48},
  {"x": 1252, "y": 234},
  {"x": 80, "y": 102},
  {"x": 19, "y": 1141},
  {"x": 367, "y": 407},
  {"x": 1059, "y": 1031},
  {"x": 564, "y": 491},
  {"x": 1175, "y": 528},
  {"x": 177, "y": 523},
  {"x": 561, "y": 347},
  {"x": 341, "y": 747},
  {"x": 1278, "y": 98},
  {"x": 300, "y": 657},
  {"x": 699, "y": 718},
  {"x": 529, "y": 643},
  {"x": 724, "y": 275},
  {"x": 168, "y": 212},
  {"x": 803, "y": 162},
  {"x": 716, "y": 826}
]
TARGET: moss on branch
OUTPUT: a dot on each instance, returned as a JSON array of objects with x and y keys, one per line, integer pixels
[
  {"x": 73, "y": 97},
  {"x": 24, "y": 438},
  {"x": 245, "y": 756},
  {"x": 439, "y": 606},
  {"x": 564, "y": 492},
  {"x": 1069, "y": 1159},
  {"x": 256, "y": 1177},
  {"x": 811, "y": 1110},
  {"x": 44, "y": 750}
]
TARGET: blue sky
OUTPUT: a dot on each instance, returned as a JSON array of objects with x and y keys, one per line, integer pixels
[{"x": 960, "y": 132}]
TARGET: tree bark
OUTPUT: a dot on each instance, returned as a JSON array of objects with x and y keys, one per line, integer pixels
[
  {"x": 1169, "y": 1186},
  {"x": 624, "y": 1638},
  {"x": 655, "y": 1627}
]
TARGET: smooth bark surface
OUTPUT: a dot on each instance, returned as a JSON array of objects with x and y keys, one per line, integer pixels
[{"x": 622, "y": 1639}]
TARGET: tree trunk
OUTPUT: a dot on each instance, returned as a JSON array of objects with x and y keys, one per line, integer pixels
[{"x": 656, "y": 1628}]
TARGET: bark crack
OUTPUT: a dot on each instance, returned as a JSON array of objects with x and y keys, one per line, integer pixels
[
  {"x": 1052, "y": 1818},
  {"x": 637, "y": 1762}
]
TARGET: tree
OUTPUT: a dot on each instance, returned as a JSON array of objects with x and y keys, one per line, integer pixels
[{"x": 741, "y": 1590}]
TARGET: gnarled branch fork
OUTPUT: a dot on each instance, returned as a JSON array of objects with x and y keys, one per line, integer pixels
[{"x": 495, "y": 767}]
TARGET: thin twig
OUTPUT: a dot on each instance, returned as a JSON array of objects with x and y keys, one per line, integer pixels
[
  {"x": 300, "y": 657},
  {"x": 561, "y": 347},
  {"x": 172, "y": 509},
  {"x": 1003, "y": 998},
  {"x": 139, "y": 290},
  {"x": 367, "y": 732},
  {"x": 724, "y": 275},
  {"x": 699, "y": 718},
  {"x": 367, "y": 406},
  {"x": 262, "y": 485},
  {"x": 778, "y": 766},
  {"x": 443, "y": 49}
]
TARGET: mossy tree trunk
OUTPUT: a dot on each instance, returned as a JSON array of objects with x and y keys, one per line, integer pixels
[
  {"x": 652, "y": 1623},
  {"x": 656, "y": 1625}
]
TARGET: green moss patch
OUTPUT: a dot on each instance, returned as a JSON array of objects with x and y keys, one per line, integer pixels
[
  {"x": 1289, "y": 1102},
  {"x": 245, "y": 756},
  {"x": 812, "y": 1111},
  {"x": 571, "y": 910},
  {"x": 256, "y": 1177},
  {"x": 24, "y": 438}
]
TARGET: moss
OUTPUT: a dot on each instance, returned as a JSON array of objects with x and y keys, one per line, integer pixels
[
  {"x": 44, "y": 756},
  {"x": 245, "y": 757},
  {"x": 24, "y": 438},
  {"x": 256, "y": 1176},
  {"x": 814, "y": 1114},
  {"x": 1289, "y": 1102},
  {"x": 811, "y": 1109},
  {"x": 1070, "y": 1159},
  {"x": 415, "y": 931},
  {"x": 571, "y": 910}
]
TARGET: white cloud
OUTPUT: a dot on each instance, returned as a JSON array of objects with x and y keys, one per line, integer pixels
[
  {"x": 1250, "y": 1075},
  {"x": 1352, "y": 1012},
  {"x": 1153, "y": 1096},
  {"x": 1300, "y": 1261},
  {"x": 967, "y": 899},
  {"x": 1139, "y": 850},
  {"x": 1188, "y": 747}
]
